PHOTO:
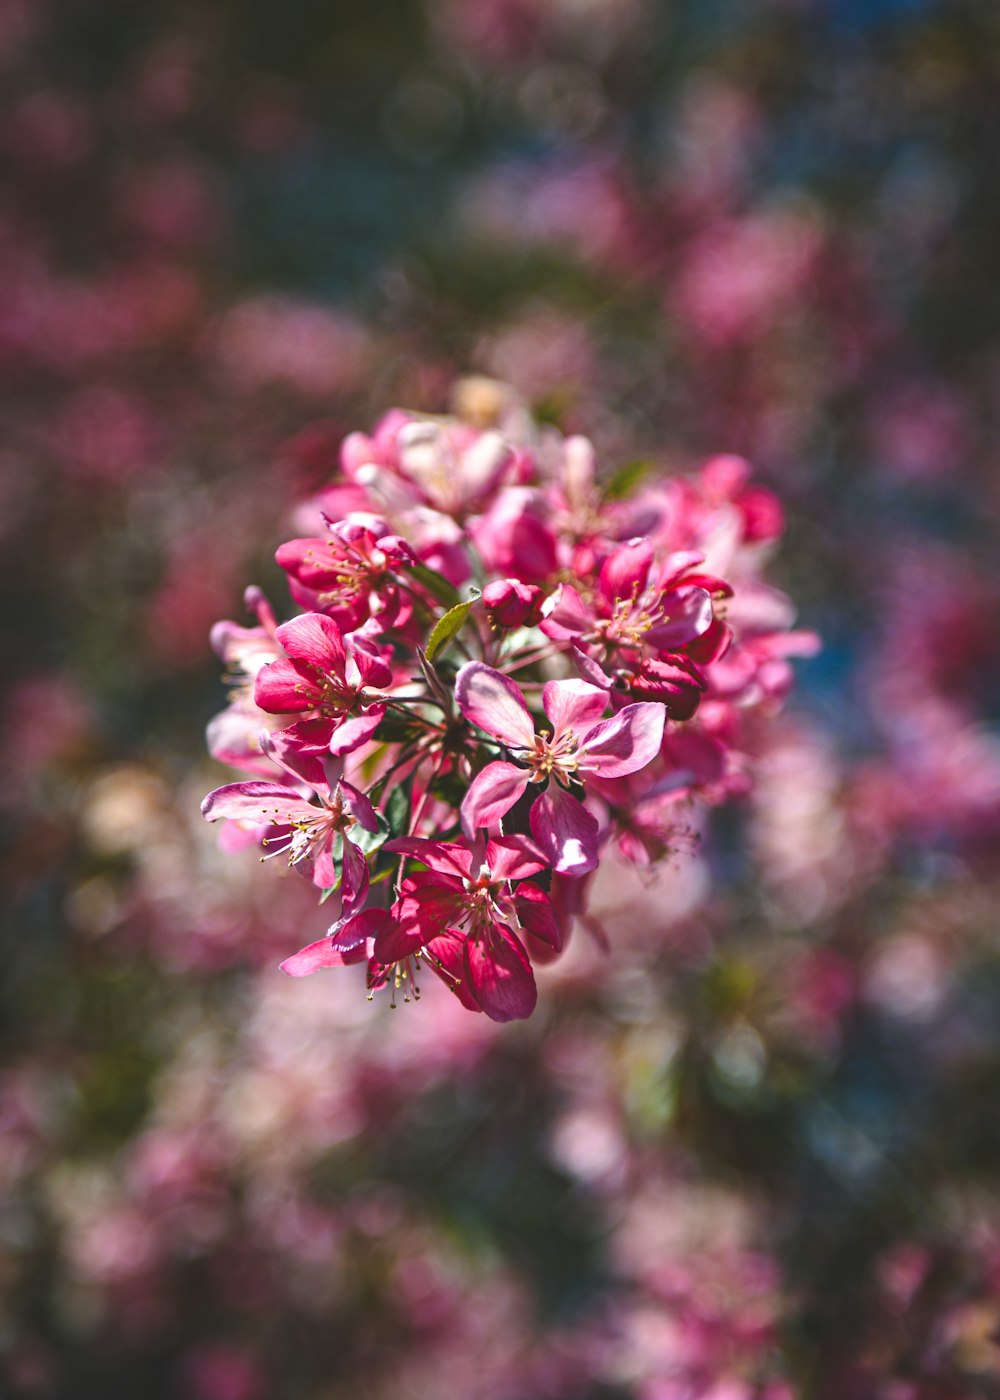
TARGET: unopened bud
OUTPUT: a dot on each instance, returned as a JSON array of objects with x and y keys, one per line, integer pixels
[{"x": 511, "y": 603}]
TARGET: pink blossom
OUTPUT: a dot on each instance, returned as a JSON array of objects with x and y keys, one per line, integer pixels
[
  {"x": 580, "y": 743},
  {"x": 642, "y": 624},
  {"x": 307, "y": 832},
  {"x": 348, "y": 576},
  {"x": 326, "y": 676},
  {"x": 467, "y": 894}
]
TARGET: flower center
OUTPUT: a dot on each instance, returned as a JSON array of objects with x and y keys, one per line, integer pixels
[
  {"x": 553, "y": 758},
  {"x": 631, "y": 618}
]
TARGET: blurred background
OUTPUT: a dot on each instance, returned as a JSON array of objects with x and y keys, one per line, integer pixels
[{"x": 754, "y": 1154}]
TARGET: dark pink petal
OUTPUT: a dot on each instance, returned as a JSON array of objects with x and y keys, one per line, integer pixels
[
  {"x": 671, "y": 685},
  {"x": 500, "y": 976},
  {"x": 494, "y": 702},
  {"x": 625, "y": 743},
  {"x": 324, "y": 872},
  {"x": 359, "y": 806},
  {"x": 492, "y": 793},
  {"x": 566, "y": 832},
  {"x": 286, "y": 688},
  {"x": 347, "y": 943},
  {"x": 373, "y": 671},
  {"x": 589, "y": 669},
  {"x": 573, "y": 705},
  {"x": 299, "y": 763},
  {"x": 445, "y": 856},
  {"x": 536, "y": 915},
  {"x": 316, "y": 641},
  {"x": 417, "y": 917},
  {"x": 353, "y": 876},
  {"x": 566, "y": 615},
  {"x": 355, "y": 731},
  {"x": 718, "y": 587},
  {"x": 711, "y": 645},
  {"x": 625, "y": 571},
  {"x": 256, "y": 802},
  {"x": 514, "y": 858},
  {"x": 311, "y": 562},
  {"x": 437, "y": 880},
  {"x": 445, "y": 957},
  {"x": 676, "y": 565},
  {"x": 510, "y": 603},
  {"x": 688, "y": 615}
]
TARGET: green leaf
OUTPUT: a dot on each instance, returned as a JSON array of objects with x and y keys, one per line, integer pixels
[
  {"x": 626, "y": 479},
  {"x": 397, "y": 729},
  {"x": 397, "y": 810},
  {"x": 447, "y": 627},
  {"x": 368, "y": 842},
  {"x": 436, "y": 585}
]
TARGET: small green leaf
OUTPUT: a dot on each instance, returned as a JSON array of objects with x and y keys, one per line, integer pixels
[
  {"x": 447, "y": 627},
  {"x": 436, "y": 585}
]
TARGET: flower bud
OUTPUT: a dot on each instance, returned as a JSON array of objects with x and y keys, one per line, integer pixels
[{"x": 510, "y": 603}]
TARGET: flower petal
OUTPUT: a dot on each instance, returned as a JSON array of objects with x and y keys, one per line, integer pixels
[
  {"x": 492, "y": 793},
  {"x": 514, "y": 858},
  {"x": 442, "y": 856},
  {"x": 536, "y": 915},
  {"x": 500, "y": 976},
  {"x": 372, "y": 669},
  {"x": 590, "y": 670},
  {"x": 256, "y": 802},
  {"x": 418, "y": 916},
  {"x": 626, "y": 569},
  {"x": 689, "y": 615},
  {"x": 494, "y": 702},
  {"x": 565, "y": 614},
  {"x": 314, "y": 640},
  {"x": 355, "y": 731},
  {"x": 625, "y": 743},
  {"x": 359, "y": 806},
  {"x": 353, "y": 877},
  {"x": 444, "y": 956},
  {"x": 347, "y": 943},
  {"x": 285, "y": 687},
  {"x": 573, "y": 705},
  {"x": 566, "y": 832}
]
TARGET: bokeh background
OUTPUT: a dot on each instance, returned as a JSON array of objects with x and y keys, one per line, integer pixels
[{"x": 754, "y": 1153}]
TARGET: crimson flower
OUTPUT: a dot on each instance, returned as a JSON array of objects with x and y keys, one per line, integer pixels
[
  {"x": 348, "y": 576},
  {"x": 649, "y": 624},
  {"x": 324, "y": 675},
  {"x": 465, "y": 905}
]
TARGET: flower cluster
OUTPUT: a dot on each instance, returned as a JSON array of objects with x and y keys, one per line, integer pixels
[{"x": 501, "y": 667}]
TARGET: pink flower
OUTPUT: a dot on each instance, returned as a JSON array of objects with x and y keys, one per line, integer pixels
[
  {"x": 309, "y": 833},
  {"x": 342, "y": 575},
  {"x": 580, "y": 743},
  {"x": 467, "y": 896},
  {"x": 644, "y": 626},
  {"x": 233, "y": 734},
  {"x": 515, "y": 537},
  {"x": 325, "y": 675}
]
